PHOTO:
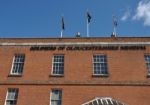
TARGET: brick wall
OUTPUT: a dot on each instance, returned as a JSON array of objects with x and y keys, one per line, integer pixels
[
  {"x": 77, "y": 95},
  {"x": 127, "y": 80}
]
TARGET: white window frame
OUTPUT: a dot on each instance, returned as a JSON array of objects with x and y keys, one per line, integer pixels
[
  {"x": 101, "y": 74},
  {"x": 51, "y": 95},
  {"x": 147, "y": 63},
  {"x": 16, "y": 92},
  {"x": 13, "y": 62},
  {"x": 58, "y": 74}
]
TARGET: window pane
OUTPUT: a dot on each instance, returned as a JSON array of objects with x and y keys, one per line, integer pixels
[
  {"x": 95, "y": 103},
  {"x": 104, "y": 102},
  {"x": 55, "y": 95},
  {"x": 56, "y": 103}
]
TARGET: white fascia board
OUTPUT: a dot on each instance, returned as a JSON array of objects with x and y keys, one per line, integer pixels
[{"x": 77, "y": 44}]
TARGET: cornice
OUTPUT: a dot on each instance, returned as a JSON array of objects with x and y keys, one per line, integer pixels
[{"x": 78, "y": 44}]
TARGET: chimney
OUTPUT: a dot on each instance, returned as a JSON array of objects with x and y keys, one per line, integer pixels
[
  {"x": 113, "y": 35},
  {"x": 78, "y": 35}
]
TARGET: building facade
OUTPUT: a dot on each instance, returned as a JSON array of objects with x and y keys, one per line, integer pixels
[{"x": 75, "y": 71}]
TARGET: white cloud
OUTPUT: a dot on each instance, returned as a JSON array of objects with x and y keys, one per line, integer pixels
[
  {"x": 126, "y": 15},
  {"x": 143, "y": 12}
]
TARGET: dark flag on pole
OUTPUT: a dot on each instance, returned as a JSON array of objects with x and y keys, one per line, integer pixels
[
  {"x": 62, "y": 26},
  {"x": 62, "y": 23},
  {"x": 88, "y": 17}
]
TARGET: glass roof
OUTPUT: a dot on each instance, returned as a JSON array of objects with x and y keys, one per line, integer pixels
[{"x": 104, "y": 101}]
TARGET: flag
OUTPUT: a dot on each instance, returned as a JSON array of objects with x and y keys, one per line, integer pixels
[
  {"x": 115, "y": 23},
  {"x": 62, "y": 23},
  {"x": 89, "y": 17}
]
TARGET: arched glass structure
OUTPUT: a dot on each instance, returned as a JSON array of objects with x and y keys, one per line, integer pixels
[{"x": 104, "y": 101}]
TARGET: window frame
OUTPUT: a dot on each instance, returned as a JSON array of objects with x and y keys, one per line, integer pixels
[
  {"x": 13, "y": 63},
  {"x": 102, "y": 74},
  {"x": 51, "y": 95},
  {"x": 16, "y": 92},
  {"x": 148, "y": 70},
  {"x": 52, "y": 70}
]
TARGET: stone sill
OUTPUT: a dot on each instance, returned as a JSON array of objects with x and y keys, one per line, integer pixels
[
  {"x": 52, "y": 75},
  {"x": 100, "y": 75},
  {"x": 14, "y": 75}
]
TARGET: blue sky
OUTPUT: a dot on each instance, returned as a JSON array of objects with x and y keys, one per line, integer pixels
[{"x": 42, "y": 18}]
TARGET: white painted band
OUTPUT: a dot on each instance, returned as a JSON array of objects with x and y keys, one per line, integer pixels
[{"x": 77, "y": 44}]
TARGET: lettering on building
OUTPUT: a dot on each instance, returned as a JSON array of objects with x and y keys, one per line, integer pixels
[{"x": 85, "y": 48}]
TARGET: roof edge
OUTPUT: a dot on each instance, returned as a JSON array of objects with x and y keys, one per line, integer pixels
[{"x": 74, "y": 37}]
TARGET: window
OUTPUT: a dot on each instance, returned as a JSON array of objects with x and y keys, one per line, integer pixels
[
  {"x": 56, "y": 96},
  {"x": 100, "y": 65},
  {"x": 18, "y": 63},
  {"x": 58, "y": 65},
  {"x": 11, "y": 97},
  {"x": 147, "y": 60}
]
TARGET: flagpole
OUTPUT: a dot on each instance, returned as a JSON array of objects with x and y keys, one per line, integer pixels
[
  {"x": 87, "y": 28},
  {"x": 62, "y": 26},
  {"x": 114, "y": 29},
  {"x": 88, "y": 16},
  {"x": 115, "y": 25},
  {"x": 61, "y": 33}
]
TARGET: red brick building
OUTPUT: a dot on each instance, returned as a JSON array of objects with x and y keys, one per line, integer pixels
[{"x": 75, "y": 71}]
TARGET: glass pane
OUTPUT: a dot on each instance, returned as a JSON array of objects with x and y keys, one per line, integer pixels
[
  {"x": 95, "y": 103},
  {"x": 109, "y": 101},
  {"x": 56, "y": 95},
  {"x": 11, "y": 95},
  {"x": 11, "y": 102},
  {"x": 99, "y": 101},
  {"x": 56, "y": 103},
  {"x": 104, "y": 102},
  {"x": 114, "y": 102}
]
